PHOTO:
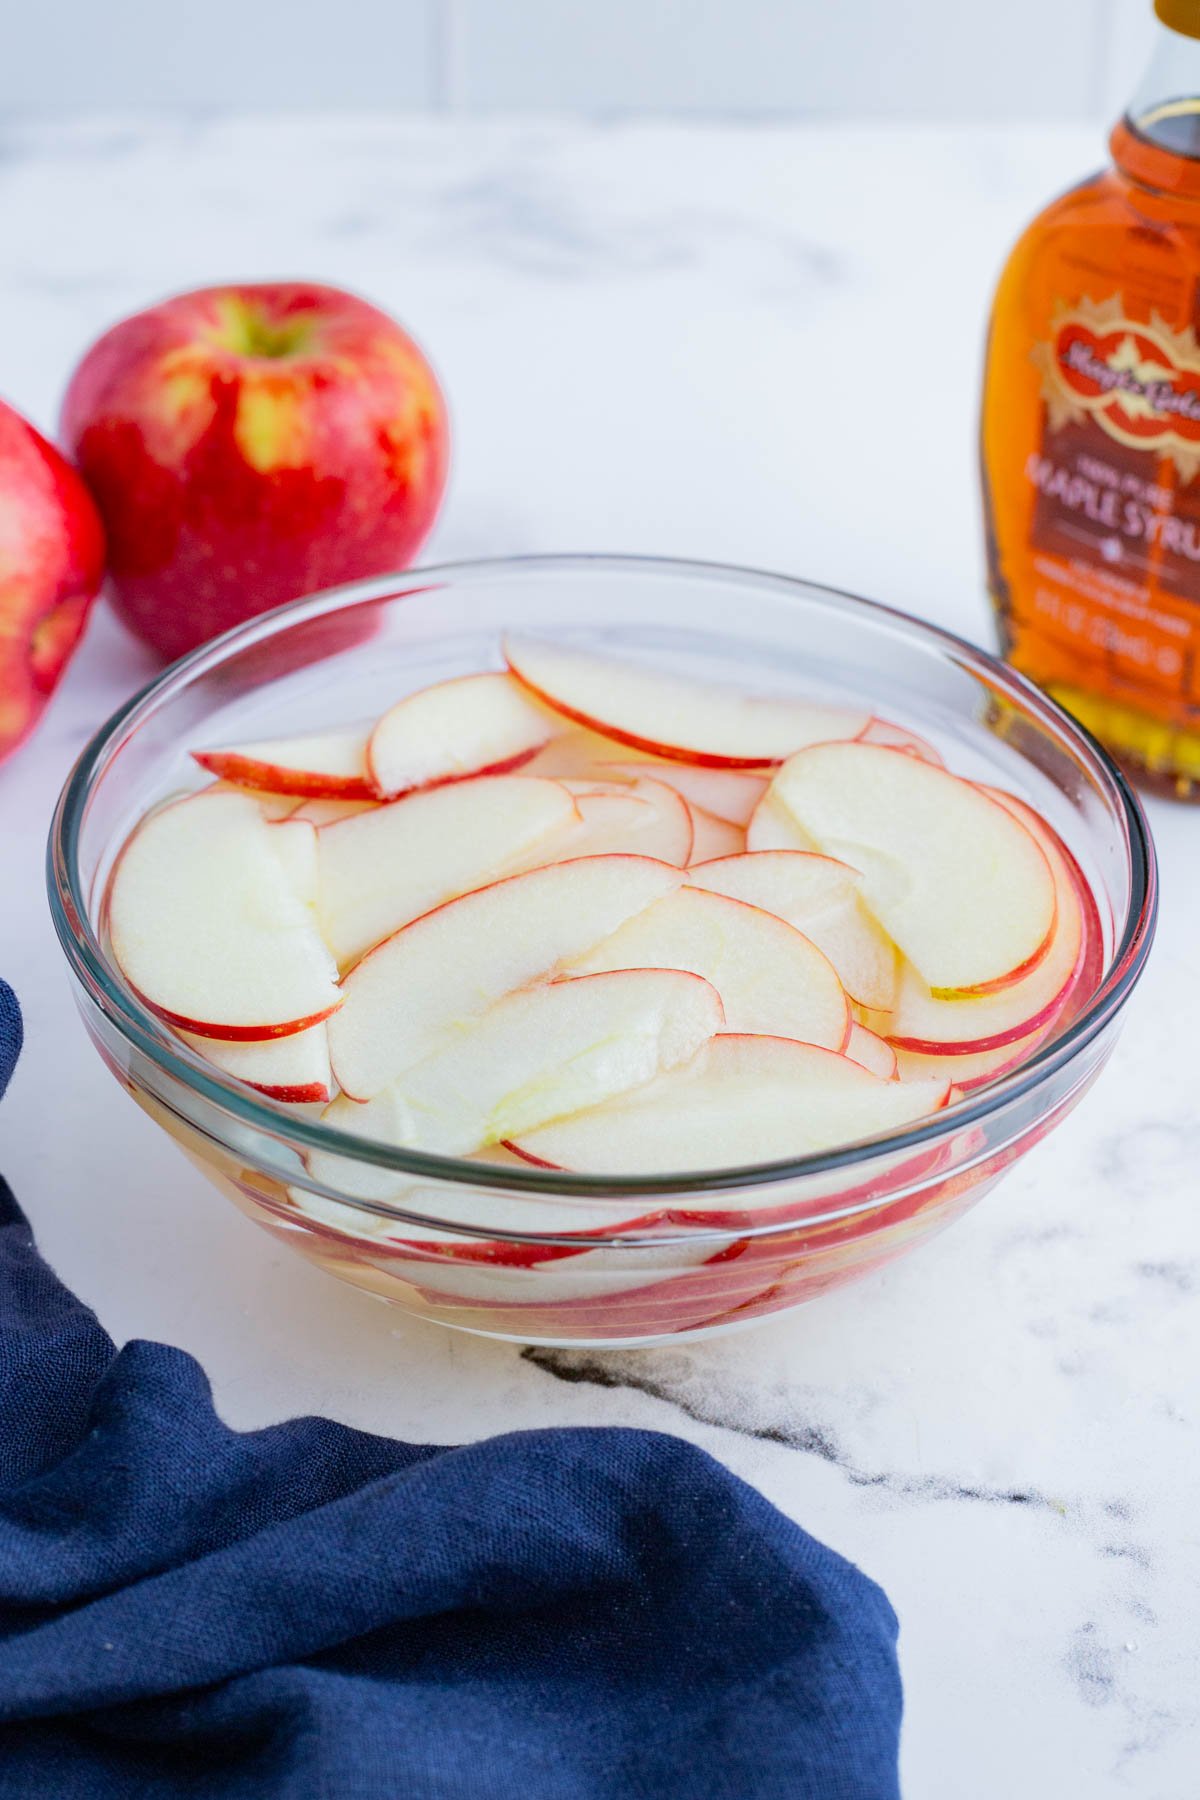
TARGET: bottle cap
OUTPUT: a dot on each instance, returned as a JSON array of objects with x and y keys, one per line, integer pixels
[{"x": 1182, "y": 16}]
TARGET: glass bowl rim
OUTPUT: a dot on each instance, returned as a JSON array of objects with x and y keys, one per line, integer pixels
[{"x": 70, "y": 910}]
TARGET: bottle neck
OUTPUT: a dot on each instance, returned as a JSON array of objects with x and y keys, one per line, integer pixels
[{"x": 1157, "y": 143}]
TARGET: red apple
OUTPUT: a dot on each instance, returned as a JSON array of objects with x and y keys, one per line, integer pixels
[
  {"x": 249, "y": 444},
  {"x": 51, "y": 565}
]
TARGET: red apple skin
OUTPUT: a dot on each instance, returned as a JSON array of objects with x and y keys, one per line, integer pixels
[
  {"x": 251, "y": 444},
  {"x": 306, "y": 784},
  {"x": 299, "y": 1094},
  {"x": 51, "y": 567},
  {"x": 235, "y": 1034}
]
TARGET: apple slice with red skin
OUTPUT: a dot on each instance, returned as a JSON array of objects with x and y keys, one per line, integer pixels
[
  {"x": 773, "y": 827},
  {"x": 294, "y": 842},
  {"x": 433, "y": 1258},
  {"x": 575, "y": 753},
  {"x": 974, "y": 1068},
  {"x": 328, "y": 812},
  {"x": 293, "y": 1069},
  {"x": 959, "y": 884},
  {"x": 384, "y": 868},
  {"x": 873, "y": 1052},
  {"x": 471, "y": 725},
  {"x": 432, "y": 978},
  {"x": 491, "y": 1270},
  {"x": 645, "y": 818},
  {"x": 207, "y": 925},
  {"x": 820, "y": 897},
  {"x": 737, "y": 1210},
  {"x": 713, "y": 837},
  {"x": 770, "y": 977},
  {"x": 742, "y": 1100},
  {"x": 329, "y": 765},
  {"x": 614, "y": 823},
  {"x": 670, "y": 715},
  {"x": 395, "y": 1246},
  {"x": 487, "y": 1208},
  {"x": 596, "y": 1296},
  {"x": 728, "y": 794},
  {"x": 1059, "y": 856},
  {"x": 898, "y": 737},
  {"x": 271, "y": 806},
  {"x": 929, "y": 1026},
  {"x": 744, "y": 1277},
  {"x": 535, "y": 1055}
]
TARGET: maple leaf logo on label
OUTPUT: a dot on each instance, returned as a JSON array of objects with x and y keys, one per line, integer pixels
[{"x": 1140, "y": 382}]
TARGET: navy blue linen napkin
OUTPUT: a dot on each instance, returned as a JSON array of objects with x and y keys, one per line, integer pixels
[{"x": 311, "y": 1611}]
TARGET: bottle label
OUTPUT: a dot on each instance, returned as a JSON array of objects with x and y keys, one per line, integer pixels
[
  {"x": 1116, "y": 517},
  {"x": 1140, "y": 383}
]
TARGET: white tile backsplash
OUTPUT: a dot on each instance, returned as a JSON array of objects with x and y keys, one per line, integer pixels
[
  {"x": 962, "y": 60},
  {"x": 271, "y": 55},
  {"x": 938, "y": 59}
]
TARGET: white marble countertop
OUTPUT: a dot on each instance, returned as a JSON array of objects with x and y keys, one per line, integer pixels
[{"x": 648, "y": 334}]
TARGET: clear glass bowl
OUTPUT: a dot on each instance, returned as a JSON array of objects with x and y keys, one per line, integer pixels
[{"x": 597, "y": 1261}]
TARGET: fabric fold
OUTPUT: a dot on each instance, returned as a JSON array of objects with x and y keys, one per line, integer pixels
[{"x": 308, "y": 1610}]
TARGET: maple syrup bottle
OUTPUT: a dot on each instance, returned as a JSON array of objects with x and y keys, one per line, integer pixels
[{"x": 1090, "y": 432}]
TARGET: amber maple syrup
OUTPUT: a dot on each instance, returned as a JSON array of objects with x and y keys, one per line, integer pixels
[{"x": 1090, "y": 432}]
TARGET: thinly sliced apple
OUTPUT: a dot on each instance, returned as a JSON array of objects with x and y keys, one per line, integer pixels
[
  {"x": 428, "y": 981},
  {"x": 271, "y": 806},
  {"x": 929, "y": 1026},
  {"x": 750, "y": 1207},
  {"x": 619, "y": 823},
  {"x": 670, "y": 716},
  {"x": 294, "y": 842},
  {"x": 1060, "y": 857},
  {"x": 958, "y": 883},
  {"x": 587, "y": 1276},
  {"x": 975, "y": 1068},
  {"x": 488, "y": 1208},
  {"x": 385, "y": 868},
  {"x": 874, "y": 1053},
  {"x": 207, "y": 926},
  {"x": 493, "y": 1270},
  {"x": 328, "y": 812},
  {"x": 472, "y": 725},
  {"x": 727, "y": 794},
  {"x": 607, "y": 822},
  {"x": 773, "y": 827},
  {"x": 770, "y": 977},
  {"x": 820, "y": 897},
  {"x": 898, "y": 737},
  {"x": 293, "y": 1069},
  {"x": 713, "y": 837},
  {"x": 647, "y": 818},
  {"x": 536, "y": 1055},
  {"x": 328, "y": 765},
  {"x": 740, "y": 1101},
  {"x": 924, "y": 1023},
  {"x": 575, "y": 753}
]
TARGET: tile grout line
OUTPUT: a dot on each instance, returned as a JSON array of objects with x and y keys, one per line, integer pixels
[{"x": 447, "y": 59}]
